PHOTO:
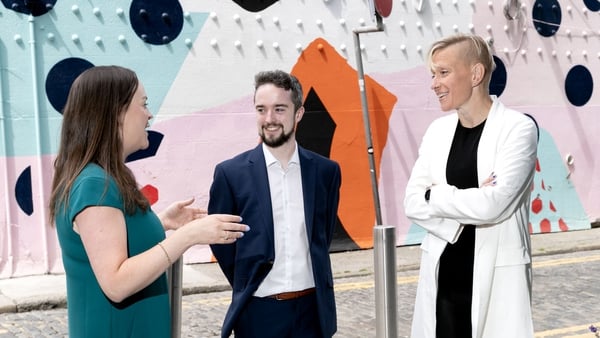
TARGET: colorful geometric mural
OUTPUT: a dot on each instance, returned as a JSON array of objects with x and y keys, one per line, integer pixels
[{"x": 197, "y": 60}]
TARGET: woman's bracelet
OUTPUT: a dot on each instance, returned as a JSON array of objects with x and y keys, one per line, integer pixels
[{"x": 166, "y": 254}]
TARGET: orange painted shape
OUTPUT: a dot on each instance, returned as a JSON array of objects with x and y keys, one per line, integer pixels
[
  {"x": 552, "y": 206},
  {"x": 151, "y": 193},
  {"x": 562, "y": 225},
  {"x": 545, "y": 225},
  {"x": 320, "y": 67},
  {"x": 536, "y": 205}
]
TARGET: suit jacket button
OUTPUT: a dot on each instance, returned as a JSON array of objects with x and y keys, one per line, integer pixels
[{"x": 271, "y": 262}]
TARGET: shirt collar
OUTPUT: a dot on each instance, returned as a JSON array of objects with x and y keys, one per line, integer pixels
[{"x": 270, "y": 159}]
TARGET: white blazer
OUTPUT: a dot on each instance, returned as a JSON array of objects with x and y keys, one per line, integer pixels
[{"x": 501, "y": 303}]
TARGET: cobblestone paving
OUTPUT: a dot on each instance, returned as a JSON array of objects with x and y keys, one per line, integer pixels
[{"x": 565, "y": 303}]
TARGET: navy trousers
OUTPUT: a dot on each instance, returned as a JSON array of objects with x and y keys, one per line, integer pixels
[{"x": 271, "y": 318}]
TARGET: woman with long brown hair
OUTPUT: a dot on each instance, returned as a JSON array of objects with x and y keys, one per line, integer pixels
[{"x": 114, "y": 247}]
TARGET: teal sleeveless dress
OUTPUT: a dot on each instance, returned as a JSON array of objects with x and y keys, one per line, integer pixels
[{"x": 90, "y": 312}]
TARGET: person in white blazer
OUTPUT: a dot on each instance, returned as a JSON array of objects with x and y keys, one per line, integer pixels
[{"x": 470, "y": 190}]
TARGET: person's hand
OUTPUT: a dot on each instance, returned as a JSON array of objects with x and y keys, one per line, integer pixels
[
  {"x": 180, "y": 213},
  {"x": 216, "y": 229},
  {"x": 490, "y": 181}
]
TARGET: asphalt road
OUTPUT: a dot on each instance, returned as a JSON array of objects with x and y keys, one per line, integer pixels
[{"x": 564, "y": 304}]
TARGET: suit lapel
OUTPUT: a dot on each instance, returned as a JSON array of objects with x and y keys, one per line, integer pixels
[
  {"x": 260, "y": 180},
  {"x": 308, "y": 171}
]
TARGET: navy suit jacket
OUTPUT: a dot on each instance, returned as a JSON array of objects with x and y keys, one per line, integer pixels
[{"x": 241, "y": 187}]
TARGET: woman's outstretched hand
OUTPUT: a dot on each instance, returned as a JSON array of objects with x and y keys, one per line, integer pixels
[
  {"x": 217, "y": 229},
  {"x": 180, "y": 213}
]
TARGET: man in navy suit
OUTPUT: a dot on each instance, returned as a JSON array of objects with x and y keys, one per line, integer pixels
[{"x": 280, "y": 271}]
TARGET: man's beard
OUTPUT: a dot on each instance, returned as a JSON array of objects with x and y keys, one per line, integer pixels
[{"x": 278, "y": 140}]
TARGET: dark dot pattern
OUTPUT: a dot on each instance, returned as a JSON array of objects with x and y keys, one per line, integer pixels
[
  {"x": 256, "y": 5},
  {"x": 546, "y": 15},
  {"x": 498, "y": 81},
  {"x": 23, "y": 192},
  {"x": 579, "y": 85},
  {"x": 156, "y": 22},
  {"x": 33, "y": 7},
  {"x": 61, "y": 77},
  {"x": 592, "y": 5}
]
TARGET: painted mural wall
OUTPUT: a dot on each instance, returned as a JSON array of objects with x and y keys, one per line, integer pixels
[{"x": 197, "y": 60}]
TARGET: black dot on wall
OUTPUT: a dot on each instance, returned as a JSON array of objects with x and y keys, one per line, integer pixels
[
  {"x": 592, "y": 5},
  {"x": 579, "y": 85},
  {"x": 33, "y": 7},
  {"x": 546, "y": 16},
  {"x": 498, "y": 81},
  {"x": 255, "y": 5},
  {"x": 61, "y": 77},
  {"x": 156, "y": 22},
  {"x": 23, "y": 191}
]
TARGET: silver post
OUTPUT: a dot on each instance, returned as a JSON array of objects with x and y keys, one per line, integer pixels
[
  {"x": 174, "y": 275},
  {"x": 384, "y": 236},
  {"x": 384, "y": 248}
]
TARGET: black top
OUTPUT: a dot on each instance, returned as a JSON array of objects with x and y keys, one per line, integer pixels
[{"x": 455, "y": 283}]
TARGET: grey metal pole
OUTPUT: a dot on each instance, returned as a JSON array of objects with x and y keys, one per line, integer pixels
[
  {"x": 385, "y": 281},
  {"x": 384, "y": 244},
  {"x": 365, "y": 111},
  {"x": 175, "y": 274}
]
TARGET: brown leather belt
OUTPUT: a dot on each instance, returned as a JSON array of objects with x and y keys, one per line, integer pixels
[{"x": 292, "y": 295}]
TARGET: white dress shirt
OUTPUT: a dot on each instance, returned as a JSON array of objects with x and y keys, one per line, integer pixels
[{"x": 292, "y": 268}]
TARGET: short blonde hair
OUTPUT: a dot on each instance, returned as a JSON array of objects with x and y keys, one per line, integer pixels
[{"x": 477, "y": 51}]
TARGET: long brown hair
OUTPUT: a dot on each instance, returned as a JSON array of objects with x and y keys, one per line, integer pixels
[{"x": 91, "y": 133}]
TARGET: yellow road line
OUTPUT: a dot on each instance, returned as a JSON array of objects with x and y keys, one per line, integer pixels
[
  {"x": 562, "y": 261},
  {"x": 415, "y": 278},
  {"x": 567, "y": 332}
]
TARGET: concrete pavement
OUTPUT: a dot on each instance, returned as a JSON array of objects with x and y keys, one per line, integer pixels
[{"x": 49, "y": 291}]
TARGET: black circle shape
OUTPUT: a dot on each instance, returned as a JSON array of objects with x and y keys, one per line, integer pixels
[
  {"x": 256, "y": 5},
  {"x": 592, "y": 5},
  {"x": 33, "y": 7},
  {"x": 61, "y": 77},
  {"x": 156, "y": 22},
  {"x": 546, "y": 15},
  {"x": 498, "y": 81},
  {"x": 579, "y": 85}
]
